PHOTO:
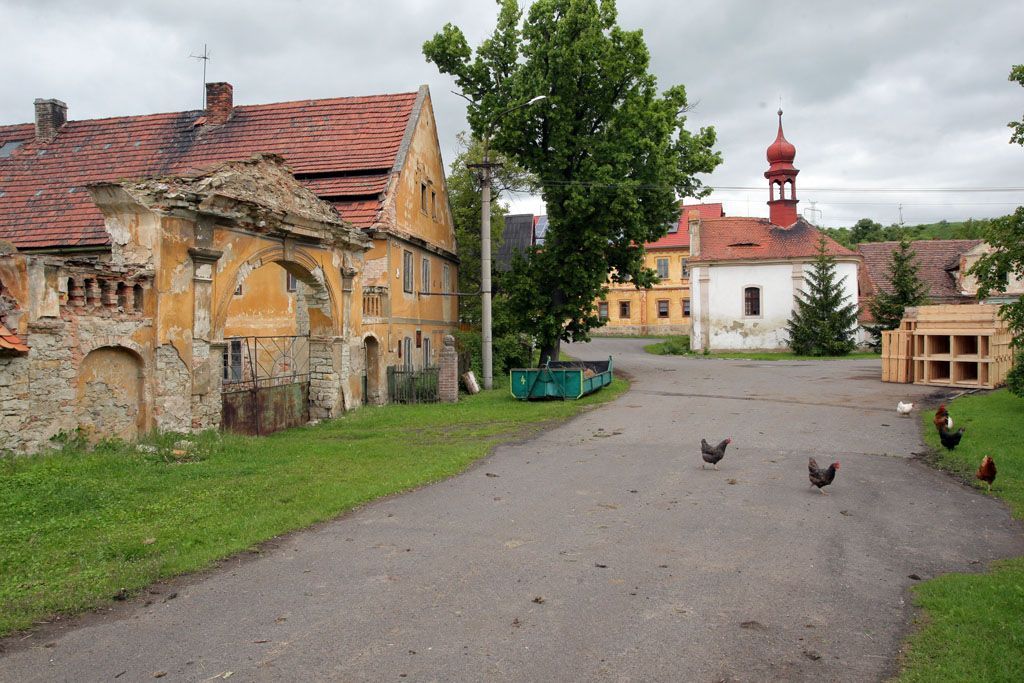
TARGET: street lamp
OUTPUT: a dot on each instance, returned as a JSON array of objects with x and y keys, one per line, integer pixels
[{"x": 485, "y": 243}]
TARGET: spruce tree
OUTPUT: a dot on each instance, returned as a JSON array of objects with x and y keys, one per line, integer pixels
[
  {"x": 906, "y": 290},
  {"x": 823, "y": 322}
]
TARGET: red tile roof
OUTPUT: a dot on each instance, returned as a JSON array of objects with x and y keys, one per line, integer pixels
[
  {"x": 44, "y": 203},
  {"x": 681, "y": 237},
  {"x": 10, "y": 342},
  {"x": 742, "y": 239},
  {"x": 936, "y": 258}
]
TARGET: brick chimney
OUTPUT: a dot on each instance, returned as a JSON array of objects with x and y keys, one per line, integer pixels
[
  {"x": 693, "y": 224},
  {"x": 50, "y": 116},
  {"x": 219, "y": 102}
]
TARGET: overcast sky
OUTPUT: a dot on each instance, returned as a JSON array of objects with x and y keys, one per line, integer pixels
[{"x": 891, "y": 94}]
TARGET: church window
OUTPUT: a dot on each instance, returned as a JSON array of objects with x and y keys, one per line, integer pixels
[{"x": 752, "y": 301}]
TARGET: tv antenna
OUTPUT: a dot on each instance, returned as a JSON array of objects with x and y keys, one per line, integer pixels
[
  {"x": 206, "y": 58},
  {"x": 901, "y": 215}
]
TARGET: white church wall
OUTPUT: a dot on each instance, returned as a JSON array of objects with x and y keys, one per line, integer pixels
[{"x": 729, "y": 328}]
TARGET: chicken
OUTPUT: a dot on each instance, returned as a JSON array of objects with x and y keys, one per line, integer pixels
[
  {"x": 712, "y": 454},
  {"x": 904, "y": 408},
  {"x": 987, "y": 471},
  {"x": 951, "y": 439},
  {"x": 942, "y": 418},
  {"x": 821, "y": 477}
]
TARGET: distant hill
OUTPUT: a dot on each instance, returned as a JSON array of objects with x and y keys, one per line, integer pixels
[{"x": 867, "y": 230}]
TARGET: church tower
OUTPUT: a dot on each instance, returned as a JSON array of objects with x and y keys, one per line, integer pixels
[{"x": 781, "y": 181}]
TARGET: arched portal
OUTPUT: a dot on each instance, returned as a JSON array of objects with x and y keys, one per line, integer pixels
[
  {"x": 279, "y": 326},
  {"x": 110, "y": 394}
]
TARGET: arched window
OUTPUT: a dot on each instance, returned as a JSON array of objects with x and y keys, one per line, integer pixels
[{"x": 752, "y": 302}]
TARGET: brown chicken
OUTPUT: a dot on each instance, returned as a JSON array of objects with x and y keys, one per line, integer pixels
[
  {"x": 821, "y": 477},
  {"x": 942, "y": 420},
  {"x": 987, "y": 471}
]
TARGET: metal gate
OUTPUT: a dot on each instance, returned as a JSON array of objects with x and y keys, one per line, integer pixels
[{"x": 265, "y": 384}]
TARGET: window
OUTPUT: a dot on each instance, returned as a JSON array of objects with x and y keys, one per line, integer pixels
[
  {"x": 291, "y": 282},
  {"x": 407, "y": 271},
  {"x": 238, "y": 289},
  {"x": 419, "y": 339},
  {"x": 425, "y": 275},
  {"x": 663, "y": 268},
  {"x": 446, "y": 279},
  {"x": 624, "y": 309},
  {"x": 602, "y": 310},
  {"x": 433, "y": 205},
  {"x": 426, "y": 352},
  {"x": 673, "y": 228},
  {"x": 685, "y": 267},
  {"x": 686, "y": 308},
  {"x": 407, "y": 343},
  {"x": 423, "y": 197},
  {"x": 752, "y": 301},
  {"x": 233, "y": 361},
  {"x": 662, "y": 308},
  {"x": 137, "y": 297}
]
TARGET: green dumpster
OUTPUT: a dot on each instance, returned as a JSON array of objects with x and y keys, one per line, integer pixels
[{"x": 561, "y": 379}]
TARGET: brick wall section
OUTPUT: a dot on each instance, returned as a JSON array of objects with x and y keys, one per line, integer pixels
[{"x": 448, "y": 377}]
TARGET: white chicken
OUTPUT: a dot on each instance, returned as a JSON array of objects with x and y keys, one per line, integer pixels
[{"x": 904, "y": 408}]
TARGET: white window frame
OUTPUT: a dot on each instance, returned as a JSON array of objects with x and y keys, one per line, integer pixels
[{"x": 667, "y": 262}]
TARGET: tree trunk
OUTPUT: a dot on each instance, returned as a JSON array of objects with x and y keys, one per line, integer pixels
[{"x": 549, "y": 351}]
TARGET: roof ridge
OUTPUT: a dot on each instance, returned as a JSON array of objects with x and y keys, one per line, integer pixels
[{"x": 237, "y": 106}]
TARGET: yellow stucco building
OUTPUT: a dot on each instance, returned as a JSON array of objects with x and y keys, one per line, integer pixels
[{"x": 665, "y": 307}]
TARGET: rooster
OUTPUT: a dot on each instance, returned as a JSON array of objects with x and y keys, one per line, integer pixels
[
  {"x": 904, "y": 408},
  {"x": 951, "y": 439},
  {"x": 987, "y": 471},
  {"x": 942, "y": 419},
  {"x": 821, "y": 477},
  {"x": 712, "y": 454}
]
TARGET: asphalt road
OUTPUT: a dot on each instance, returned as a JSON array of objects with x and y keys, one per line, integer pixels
[{"x": 601, "y": 551}]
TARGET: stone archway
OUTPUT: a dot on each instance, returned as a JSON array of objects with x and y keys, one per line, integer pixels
[{"x": 110, "y": 393}]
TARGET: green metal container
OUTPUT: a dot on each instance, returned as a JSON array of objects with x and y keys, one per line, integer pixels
[{"x": 561, "y": 379}]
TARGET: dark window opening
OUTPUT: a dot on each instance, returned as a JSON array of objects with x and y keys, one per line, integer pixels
[
  {"x": 137, "y": 295},
  {"x": 686, "y": 308},
  {"x": 752, "y": 301},
  {"x": 624, "y": 309},
  {"x": 602, "y": 310},
  {"x": 662, "y": 308}
]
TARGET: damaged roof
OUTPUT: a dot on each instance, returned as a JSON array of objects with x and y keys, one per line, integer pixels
[{"x": 344, "y": 149}]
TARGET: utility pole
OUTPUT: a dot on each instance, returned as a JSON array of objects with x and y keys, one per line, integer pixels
[{"x": 487, "y": 352}]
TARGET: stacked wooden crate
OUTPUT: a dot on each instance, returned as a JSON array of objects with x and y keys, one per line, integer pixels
[{"x": 959, "y": 346}]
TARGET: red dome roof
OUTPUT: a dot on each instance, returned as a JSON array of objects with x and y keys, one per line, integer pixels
[{"x": 781, "y": 151}]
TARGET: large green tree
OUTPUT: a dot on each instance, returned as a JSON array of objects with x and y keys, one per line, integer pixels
[
  {"x": 905, "y": 289},
  {"x": 824, "y": 321},
  {"x": 994, "y": 270},
  {"x": 610, "y": 154}
]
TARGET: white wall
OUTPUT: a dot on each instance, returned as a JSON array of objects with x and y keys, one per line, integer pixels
[{"x": 729, "y": 328}]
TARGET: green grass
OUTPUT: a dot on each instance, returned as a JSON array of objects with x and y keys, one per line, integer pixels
[
  {"x": 78, "y": 526},
  {"x": 973, "y": 625},
  {"x": 680, "y": 346}
]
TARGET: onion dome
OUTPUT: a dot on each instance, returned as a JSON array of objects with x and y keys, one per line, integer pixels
[{"x": 781, "y": 152}]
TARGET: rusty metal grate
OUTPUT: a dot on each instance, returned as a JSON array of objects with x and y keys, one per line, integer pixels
[{"x": 265, "y": 383}]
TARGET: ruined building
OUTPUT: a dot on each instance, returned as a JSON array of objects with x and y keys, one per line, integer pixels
[{"x": 255, "y": 266}]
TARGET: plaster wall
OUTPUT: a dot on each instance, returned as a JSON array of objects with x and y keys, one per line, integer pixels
[
  {"x": 729, "y": 328},
  {"x": 643, "y": 318}
]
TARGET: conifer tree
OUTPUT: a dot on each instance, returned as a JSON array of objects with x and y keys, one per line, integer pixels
[
  {"x": 823, "y": 322},
  {"x": 906, "y": 290}
]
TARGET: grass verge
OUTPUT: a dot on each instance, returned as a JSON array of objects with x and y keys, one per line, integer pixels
[
  {"x": 973, "y": 626},
  {"x": 79, "y": 526},
  {"x": 680, "y": 346}
]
